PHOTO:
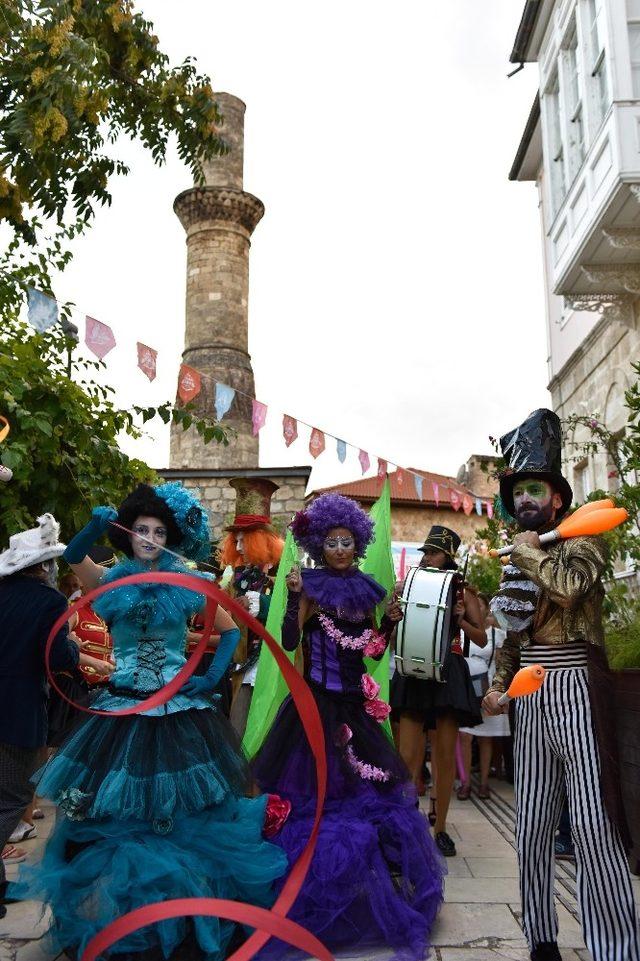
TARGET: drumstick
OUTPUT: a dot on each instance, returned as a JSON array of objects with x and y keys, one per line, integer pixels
[
  {"x": 598, "y": 520},
  {"x": 527, "y": 681}
]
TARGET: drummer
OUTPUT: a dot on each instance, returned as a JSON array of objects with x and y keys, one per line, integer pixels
[{"x": 433, "y": 706}]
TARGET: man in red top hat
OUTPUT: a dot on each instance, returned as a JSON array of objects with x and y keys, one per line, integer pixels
[{"x": 253, "y": 549}]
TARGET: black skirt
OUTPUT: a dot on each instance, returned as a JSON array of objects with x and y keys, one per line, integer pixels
[{"x": 433, "y": 699}]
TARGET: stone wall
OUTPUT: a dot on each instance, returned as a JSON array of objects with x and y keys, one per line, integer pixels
[
  {"x": 220, "y": 499},
  {"x": 594, "y": 381},
  {"x": 410, "y": 523}
]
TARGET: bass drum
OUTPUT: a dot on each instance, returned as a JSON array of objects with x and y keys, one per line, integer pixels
[{"x": 424, "y": 635}]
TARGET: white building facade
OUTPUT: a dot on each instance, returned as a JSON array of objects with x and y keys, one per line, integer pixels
[{"x": 581, "y": 146}]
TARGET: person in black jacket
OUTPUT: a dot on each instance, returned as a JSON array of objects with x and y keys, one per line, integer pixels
[{"x": 30, "y": 604}]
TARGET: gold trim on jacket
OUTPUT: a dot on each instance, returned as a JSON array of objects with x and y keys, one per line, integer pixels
[{"x": 569, "y": 607}]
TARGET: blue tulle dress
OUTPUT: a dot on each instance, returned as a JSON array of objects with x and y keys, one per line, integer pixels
[
  {"x": 376, "y": 877},
  {"x": 153, "y": 803}
]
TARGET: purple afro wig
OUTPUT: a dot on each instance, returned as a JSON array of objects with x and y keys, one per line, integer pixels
[{"x": 310, "y": 526}]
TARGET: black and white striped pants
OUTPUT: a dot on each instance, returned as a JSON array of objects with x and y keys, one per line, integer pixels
[
  {"x": 556, "y": 756},
  {"x": 17, "y": 764}
]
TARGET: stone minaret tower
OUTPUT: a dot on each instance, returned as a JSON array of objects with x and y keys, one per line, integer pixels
[{"x": 219, "y": 219}]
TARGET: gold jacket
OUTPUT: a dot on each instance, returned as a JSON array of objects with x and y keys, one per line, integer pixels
[{"x": 569, "y": 607}]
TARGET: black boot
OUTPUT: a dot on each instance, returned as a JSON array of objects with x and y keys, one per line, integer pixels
[{"x": 546, "y": 951}]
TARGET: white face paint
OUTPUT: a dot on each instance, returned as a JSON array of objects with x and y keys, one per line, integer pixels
[
  {"x": 240, "y": 542},
  {"x": 150, "y": 535}
]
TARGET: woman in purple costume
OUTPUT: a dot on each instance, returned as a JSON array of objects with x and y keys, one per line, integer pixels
[{"x": 376, "y": 875}]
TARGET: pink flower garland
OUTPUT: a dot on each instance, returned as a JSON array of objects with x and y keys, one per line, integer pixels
[
  {"x": 373, "y": 705},
  {"x": 368, "y": 772},
  {"x": 370, "y": 642}
]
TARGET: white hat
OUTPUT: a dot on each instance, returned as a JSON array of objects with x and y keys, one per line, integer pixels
[{"x": 32, "y": 547}]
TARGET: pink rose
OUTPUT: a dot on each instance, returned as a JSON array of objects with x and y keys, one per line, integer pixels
[
  {"x": 369, "y": 687},
  {"x": 343, "y": 735},
  {"x": 377, "y": 709},
  {"x": 375, "y": 647}
]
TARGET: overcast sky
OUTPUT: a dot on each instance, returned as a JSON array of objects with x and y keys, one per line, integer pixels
[{"x": 396, "y": 292}]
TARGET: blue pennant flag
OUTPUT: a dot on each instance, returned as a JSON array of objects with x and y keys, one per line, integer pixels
[
  {"x": 417, "y": 480},
  {"x": 341, "y": 449},
  {"x": 42, "y": 310},
  {"x": 478, "y": 506},
  {"x": 224, "y": 399}
]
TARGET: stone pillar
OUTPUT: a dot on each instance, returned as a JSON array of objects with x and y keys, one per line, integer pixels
[{"x": 219, "y": 219}]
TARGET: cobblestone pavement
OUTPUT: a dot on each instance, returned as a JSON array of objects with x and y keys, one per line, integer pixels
[{"x": 479, "y": 920}]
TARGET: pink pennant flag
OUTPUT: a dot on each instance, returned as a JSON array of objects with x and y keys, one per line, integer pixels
[
  {"x": 98, "y": 337},
  {"x": 436, "y": 493},
  {"x": 489, "y": 509},
  {"x": 382, "y": 468},
  {"x": 289, "y": 429},
  {"x": 467, "y": 504},
  {"x": 400, "y": 477},
  {"x": 365, "y": 463},
  {"x": 456, "y": 500},
  {"x": 147, "y": 358},
  {"x": 316, "y": 442},
  {"x": 258, "y": 416},
  {"x": 188, "y": 383}
]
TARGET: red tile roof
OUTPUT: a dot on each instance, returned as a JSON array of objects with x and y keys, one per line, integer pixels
[{"x": 368, "y": 489}]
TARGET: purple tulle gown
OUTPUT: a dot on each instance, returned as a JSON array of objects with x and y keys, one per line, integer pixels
[{"x": 376, "y": 877}]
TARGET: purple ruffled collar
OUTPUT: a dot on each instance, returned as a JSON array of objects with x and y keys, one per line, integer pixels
[{"x": 352, "y": 592}]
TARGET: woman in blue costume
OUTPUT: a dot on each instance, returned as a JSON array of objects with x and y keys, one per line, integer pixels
[
  {"x": 376, "y": 875},
  {"x": 154, "y": 802}
]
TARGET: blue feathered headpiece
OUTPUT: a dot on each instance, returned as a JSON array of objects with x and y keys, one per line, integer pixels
[{"x": 191, "y": 518}]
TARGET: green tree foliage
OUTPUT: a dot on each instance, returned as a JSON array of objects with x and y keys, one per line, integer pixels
[
  {"x": 484, "y": 573},
  {"x": 63, "y": 447},
  {"x": 622, "y": 449},
  {"x": 74, "y": 76}
]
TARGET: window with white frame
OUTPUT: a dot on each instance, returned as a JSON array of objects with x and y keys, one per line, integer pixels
[
  {"x": 596, "y": 61},
  {"x": 556, "y": 145},
  {"x": 582, "y": 486},
  {"x": 633, "y": 20},
  {"x": 572, "y": 98}
]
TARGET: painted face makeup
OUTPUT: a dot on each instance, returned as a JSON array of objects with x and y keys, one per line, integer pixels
[
  {"x": 339, "y": 548},
  {"x": 240, "y": 542},
  {"x": 533, "y": 503},
  {"x": 150, "y": 536}
]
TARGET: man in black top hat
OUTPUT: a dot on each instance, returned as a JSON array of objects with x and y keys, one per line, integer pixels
[
  {"x": 550, "y": 604},
  {"x": 427, "y": 705}
]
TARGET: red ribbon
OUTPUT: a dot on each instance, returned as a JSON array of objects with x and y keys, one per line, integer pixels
[{"x": 267, "y": 923}]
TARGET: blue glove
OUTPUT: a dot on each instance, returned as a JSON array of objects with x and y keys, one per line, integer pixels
[
  {"x": 78, "y": 548},
  {"x": 205, "y": 683}
]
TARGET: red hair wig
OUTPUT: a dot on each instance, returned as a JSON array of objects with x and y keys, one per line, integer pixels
[{"x": 261, "y": 549}]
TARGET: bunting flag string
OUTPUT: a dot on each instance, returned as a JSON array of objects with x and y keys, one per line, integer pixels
[{"x": 43, "y": 312}]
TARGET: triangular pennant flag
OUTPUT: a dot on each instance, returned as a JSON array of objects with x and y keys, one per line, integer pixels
[
  {"x": 188, "y": 383},
  {"x": 42, "y": 310},
  {"x": 467, "y": 504},
  {"x": 147, "y": 358},
  {"x": 417, "y": 481},
  {"x": 365, "y": 463},
  {"x": 341, "y": 450},
  {"x": 478, "y": 507},
  {"x": 316, "y": 442},
  {"x": 224, "y": 398},
  {"x": 98, "y": 337},
  {"x": 489, "y": 509},
  {"x": 456, "y": 500},
  {"x": 436, "y": 493},
  {"x": 258, "y": 416},
  {"x": 382, "y": 468},
  {"x": 289, "y": 429},
  {"x": 399, "y": 477}
]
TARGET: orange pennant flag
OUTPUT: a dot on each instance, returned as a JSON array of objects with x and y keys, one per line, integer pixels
[
  {"x": 189, "y": 383},
  {"x": 316, "y": 442}
]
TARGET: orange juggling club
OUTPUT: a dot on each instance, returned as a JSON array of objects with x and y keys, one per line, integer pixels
[
  {"x": 593, "y": 518},
  {"x": 527, "y": 681}
]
